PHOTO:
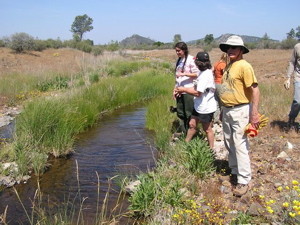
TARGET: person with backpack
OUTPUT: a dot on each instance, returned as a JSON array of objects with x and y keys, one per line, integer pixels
[
  {"x": 239, "y": 95},
  {"x": 185, "y": 73}
]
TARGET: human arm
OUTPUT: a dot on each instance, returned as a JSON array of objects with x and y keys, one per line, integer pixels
[
  {"x": 188, "y": 90},
  {"x": 181, "y": 74},
  {"x": 254, "y": 115},
  {"x": 290, "y": 70}
]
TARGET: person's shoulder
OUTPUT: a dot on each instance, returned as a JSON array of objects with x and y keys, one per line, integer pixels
[
  {"x": 297, "y": 46},
  {"x": 207, "y": 72},
  {"x": 244, "y": 62},
  {"x": 190, "y": 57}
]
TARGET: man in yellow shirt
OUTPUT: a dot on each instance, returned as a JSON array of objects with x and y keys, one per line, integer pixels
[{"x": 239, "y": 95}]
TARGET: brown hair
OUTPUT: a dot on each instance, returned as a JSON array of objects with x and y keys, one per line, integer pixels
[{"x": 183, "y": 46}]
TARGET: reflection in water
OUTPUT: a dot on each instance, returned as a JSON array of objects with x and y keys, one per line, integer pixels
[{"x": 119, "y": 144}]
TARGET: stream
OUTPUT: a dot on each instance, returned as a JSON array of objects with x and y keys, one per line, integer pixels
[{"x": 118, "y": 145}]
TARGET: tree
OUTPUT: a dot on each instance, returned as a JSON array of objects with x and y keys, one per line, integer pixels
[
  {"x": 209, "y": 38},
  {"x": 81, "y": 25},
  {"x": 265, "y": 37},
  {"x": 291, "y": 34},
  {"x": 21, "y": 42},
  {"x": 177, "y": 38}
]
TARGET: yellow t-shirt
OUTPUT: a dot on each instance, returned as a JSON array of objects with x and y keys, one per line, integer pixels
[{"x": 236, "y": 82}]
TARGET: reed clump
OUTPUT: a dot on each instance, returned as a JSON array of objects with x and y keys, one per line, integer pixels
[{"x": 50, "y": 125}]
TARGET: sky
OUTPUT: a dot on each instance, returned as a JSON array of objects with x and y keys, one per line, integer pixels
[{"x": 159, "y": 20}]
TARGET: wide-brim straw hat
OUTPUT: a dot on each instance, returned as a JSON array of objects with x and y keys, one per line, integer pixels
[{"x": 233, "y": 40}]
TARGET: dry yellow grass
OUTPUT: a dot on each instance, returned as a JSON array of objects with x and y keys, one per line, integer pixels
[{"x": 269, "y": 65}]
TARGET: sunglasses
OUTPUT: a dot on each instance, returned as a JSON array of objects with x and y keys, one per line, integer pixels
[{"x": 233, "y": 47}]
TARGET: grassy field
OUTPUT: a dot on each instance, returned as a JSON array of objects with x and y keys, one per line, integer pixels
[{"x": 51, "y": 75}]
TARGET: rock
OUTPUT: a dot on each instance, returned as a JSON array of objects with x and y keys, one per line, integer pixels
[
  {"x": 132, "y": 187},
  {"x": 282, "y": 155},
  {"x": 12, "y": 166},
  {"x": 7, "y": 181},
  {"x": 288, "y": 145},
  {"x": 255, "y": 209}
]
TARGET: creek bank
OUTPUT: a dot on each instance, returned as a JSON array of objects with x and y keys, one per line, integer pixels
[{"x": 7, "y": 116}]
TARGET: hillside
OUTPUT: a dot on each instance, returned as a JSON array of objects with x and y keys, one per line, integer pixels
[{"x": 136, "y": 40}]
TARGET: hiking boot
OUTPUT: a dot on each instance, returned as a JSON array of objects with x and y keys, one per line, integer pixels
[{"x": 240, "y": 190}]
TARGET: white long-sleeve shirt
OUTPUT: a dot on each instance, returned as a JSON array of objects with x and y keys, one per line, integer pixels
[{"x": 294, "y": 64}]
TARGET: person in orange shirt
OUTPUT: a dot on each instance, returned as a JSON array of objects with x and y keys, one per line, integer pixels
[
  {"x": 218, "y": 70},
  {"x": 219, "y": 67}
]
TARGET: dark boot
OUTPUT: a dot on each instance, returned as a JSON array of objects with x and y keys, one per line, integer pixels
[{"x": 291, "y": 123}]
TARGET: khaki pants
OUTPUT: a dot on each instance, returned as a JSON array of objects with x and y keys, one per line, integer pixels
[{"x": 234, "y": 122}]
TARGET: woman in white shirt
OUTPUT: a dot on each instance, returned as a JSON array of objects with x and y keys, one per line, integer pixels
[
  {"x": 186, "y": 72},
  {"x": 204, "y": 101}
]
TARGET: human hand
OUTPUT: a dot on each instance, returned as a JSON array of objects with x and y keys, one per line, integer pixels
[
  {"x": 287, "y": 84},
  {"x": 254, "y": 120}
]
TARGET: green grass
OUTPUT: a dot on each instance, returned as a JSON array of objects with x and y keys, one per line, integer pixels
[{"x": 50, "y": 125}]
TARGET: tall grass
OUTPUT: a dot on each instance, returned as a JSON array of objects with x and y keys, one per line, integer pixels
[
  {"x": 275, "y": 100},
  {"x": 50, "y": 125},
  {"x": 178, "y": 168},
  {"x": 70, "y": 210}
]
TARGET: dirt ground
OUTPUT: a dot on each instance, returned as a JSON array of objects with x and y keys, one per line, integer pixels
[{"x": 275, "y": 153}]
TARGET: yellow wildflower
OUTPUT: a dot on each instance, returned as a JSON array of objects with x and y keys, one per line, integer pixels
[
  {"x": 292, "y": 214},
  {"x": 270, "y": 210},
  {"x": 295, "y": 202},
  {"x": 261, "y": 196},
  {"x": 175, "y": 216},
  {"x": 285, "y": 204},
  {"x": 287, "y": 187},
  {"x": 294, "y": 182},
  {"x": 279, "y": 188}
]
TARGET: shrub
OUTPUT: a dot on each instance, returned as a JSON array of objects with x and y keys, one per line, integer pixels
[
  {"x": 198, "y": 157},
  {"x": 20, "y": 42},
  {"x": 51, "y": 43},
  {"x": 288, "y": 43},
  {"x": 97, "y": 50},
  {"x": 2, "y": 43},
  {"x": 39, "y": 45},
  {"x": 54, "y": 84}
]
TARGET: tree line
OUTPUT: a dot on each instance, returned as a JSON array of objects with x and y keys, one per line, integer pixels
[{"x": 21, "y": 42}]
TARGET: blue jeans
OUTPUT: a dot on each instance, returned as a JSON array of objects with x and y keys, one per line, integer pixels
[{"x": 295, "y": 107}]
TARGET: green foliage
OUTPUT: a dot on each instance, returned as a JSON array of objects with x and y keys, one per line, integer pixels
[
  {"x": 94, "y": 77},
  {"x": 209, "y": 38},
  {"x": 158, "y": 43},
  {"x": 242, "y": 218},
  {"x": 51, "y": 43},
  {"x": 81, "y": 25},
  {"x": 56, "y": 83},
  {"x": 154, "y": 191},
  {"x": 122, "y": 68},
  {"x": 39, "y": 45},
  {"x": 2, "y": 43},
  {"x": 49, "y": 126},
  {"x": 291, "y": 34},
  {"x": 20, "y": 42},
  {"x": 97, "y": 50},
  {"x": 198, "y": 157},
  {"x": 177, "y": 38},
  {"x": 160, "y": 119},
  {"x": 112, "y": 46},
  {"x": 288, "y": 43}
]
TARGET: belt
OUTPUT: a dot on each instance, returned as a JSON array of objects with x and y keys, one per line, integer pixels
[{"x": 234, "y": 106}]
